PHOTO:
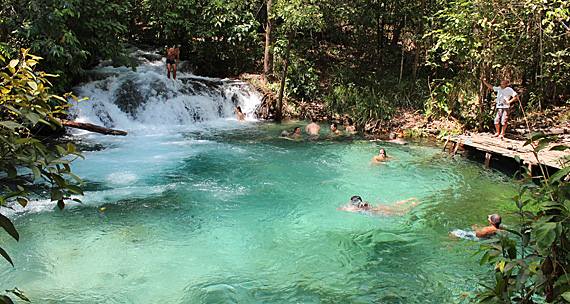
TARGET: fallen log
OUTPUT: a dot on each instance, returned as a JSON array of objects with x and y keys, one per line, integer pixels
[{"x": 92, "y": 127}]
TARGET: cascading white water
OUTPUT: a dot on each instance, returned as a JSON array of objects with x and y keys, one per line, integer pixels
[
  {"x": 214, "y": 210},
  {"x": 126, "y": 99}
]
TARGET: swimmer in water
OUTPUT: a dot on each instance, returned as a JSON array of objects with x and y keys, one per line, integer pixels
[
  {"x": 494, "y": 225},
  {"x": 296, "y": 132},
  {"x": 335, "y": 130},
  {"x": 350, "y": 128},
  {"x": 381, "y": 158},
  {"x": 396, "y": 140},
  {"x": 313, "y": 128},
  {"x": 240, "y": 115},
  {"x": 356, "y": 204},
  {"x": 480, "y": 233}
]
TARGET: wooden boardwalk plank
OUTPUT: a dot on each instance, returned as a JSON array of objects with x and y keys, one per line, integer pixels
[{"x": 510, "y": 148}]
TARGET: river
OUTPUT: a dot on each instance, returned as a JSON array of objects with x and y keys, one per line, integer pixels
[{"x": 194, "y": 206}]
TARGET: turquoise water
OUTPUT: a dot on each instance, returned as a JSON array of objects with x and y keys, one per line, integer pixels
[{"x": 228, "y": 212}]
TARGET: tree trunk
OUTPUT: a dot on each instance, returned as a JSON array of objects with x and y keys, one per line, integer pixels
[
  {"x": 279, "y": 110},
  {"x": 418, "y": 40},
  {"x": 268, "y": 59},
  {"x": 402, "y": 62},
  {"x": 92, "y": 128}
]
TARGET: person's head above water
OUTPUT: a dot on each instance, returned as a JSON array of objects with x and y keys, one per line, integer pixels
[
  {"x": 495, "y": 220},
  {"x": 392, "y": 136},
  {"x": 349, "y": 121},
  {"x": 382, "y": 152},
  {"x": 334, "y": 126},
  {"x": 356, "y": 201},
  {"x": 239, "y": 109},
  {"x": 297, "y": 130},
  {"x": 313, "y": 119}
]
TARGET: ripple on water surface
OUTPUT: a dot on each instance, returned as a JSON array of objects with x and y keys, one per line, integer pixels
[{"x": 239, "y": 215}]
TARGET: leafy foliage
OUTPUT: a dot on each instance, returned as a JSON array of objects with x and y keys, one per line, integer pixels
[
  {"x": 27, "y": 163},
  {"x": 531, "y": 262},
  {"x": 70, "y": 34}
]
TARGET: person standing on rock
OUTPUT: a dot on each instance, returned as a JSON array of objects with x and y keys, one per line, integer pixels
[
  {"x": 505, "y": 96},
  {"x": 172, "y": 55}
]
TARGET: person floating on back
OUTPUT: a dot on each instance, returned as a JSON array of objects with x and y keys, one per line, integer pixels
[
  {"x": 173, "y": 60},
  {"x": 381, "y": 158},
  {"x": 505, "y": 96},
  {"x": 313, "y": 128},
  {"x": 357, "y": 205}
]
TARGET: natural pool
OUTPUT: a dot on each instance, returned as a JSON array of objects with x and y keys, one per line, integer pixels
[{"x": 228, "y": 212}]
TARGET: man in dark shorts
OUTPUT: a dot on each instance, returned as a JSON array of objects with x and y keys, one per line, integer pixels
[{"x": 173, "y": 60}]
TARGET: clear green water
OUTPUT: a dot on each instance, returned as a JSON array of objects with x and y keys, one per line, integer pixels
[{"x": 228, "y": 212}]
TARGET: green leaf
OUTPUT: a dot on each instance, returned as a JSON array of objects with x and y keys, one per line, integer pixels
[
  {"x": 19, "y": 294},
  {"x": 525, "y": 239},
  {"x": 9, "y": 227},
  {"x": 74, "y": 189},
  {"x": 75, "y": 177},
  {"x": 566, "y": 296},
  {"x": 543, "y": 143},
  {"x": 22, "y": 201},
  {"x": 522, "y": 277},
  {"x": 33, "y": 85},
  {"x": 70, "y": 148},
  {"x": 545, "y": 234},
  {"x": 61, "y": 150},
  {"x": 60, "y": 204},
  {"x": 7, "y": 257},
  {"x": 533, "y": 137},
  {"x": 10, "y": 124},
  {"x": 559, "y": 148},
  {"x": 36, "y": 171},
  {"x": 12, "y": 172},
  {"x": 33, "y": 117},
  {"x": 13, "y": 63},
  {"x": 56, "y": 194},
  {"x": 484, "y": 259},
  {"x": 560, "y": 174},
  {"x": 26, "y": 140},
  {"x": 4, "y": 299}
]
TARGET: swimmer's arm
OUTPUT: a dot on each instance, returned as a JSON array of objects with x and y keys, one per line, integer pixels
[
  {"x": 347, "y": 208},
  {"x": 392, "y": 157},
  {"x": 379, "y": 207},
  {"x": 375, "y": 160},
  {"x": 485, "y": 231}
]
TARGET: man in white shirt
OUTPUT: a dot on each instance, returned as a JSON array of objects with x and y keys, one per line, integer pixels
[{"x": 505, "y": 96}]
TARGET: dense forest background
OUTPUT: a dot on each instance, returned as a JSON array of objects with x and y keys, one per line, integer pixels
[{"x": 366, "y": 59}]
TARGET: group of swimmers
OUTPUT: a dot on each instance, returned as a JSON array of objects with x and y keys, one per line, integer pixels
[{"x": 356, "y": 203}]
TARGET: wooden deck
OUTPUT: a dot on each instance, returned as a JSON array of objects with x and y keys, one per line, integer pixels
[{"x": 507, "y": 148}]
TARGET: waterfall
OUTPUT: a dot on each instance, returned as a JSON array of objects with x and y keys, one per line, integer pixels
[{"x": 119, "y": 97}]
